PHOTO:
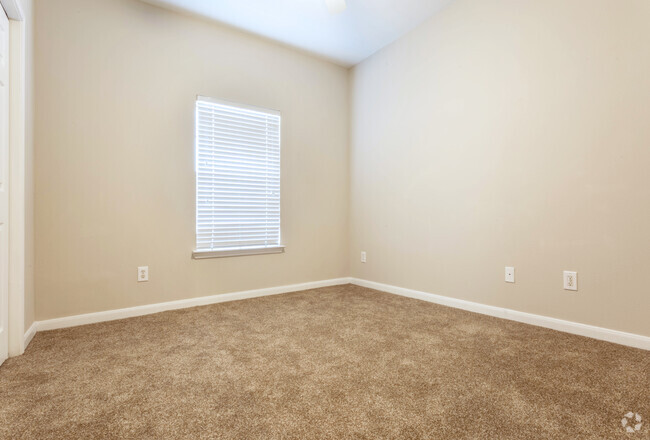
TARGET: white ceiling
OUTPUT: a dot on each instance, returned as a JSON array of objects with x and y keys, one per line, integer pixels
[{"x": 346, "y": 38}]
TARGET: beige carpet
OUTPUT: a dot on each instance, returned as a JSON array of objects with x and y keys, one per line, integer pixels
[{"x": 336, "y": 363}]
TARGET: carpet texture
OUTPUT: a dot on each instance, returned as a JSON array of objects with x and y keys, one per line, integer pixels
[{"x": 333, "y": 363}]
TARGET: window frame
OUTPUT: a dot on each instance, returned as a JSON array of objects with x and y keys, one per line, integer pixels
[{"x": 243, "y": 251}]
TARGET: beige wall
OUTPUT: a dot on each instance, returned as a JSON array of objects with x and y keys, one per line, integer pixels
[
  {"x": 116, "y": 82},
  {"x": 497, "y": 133},
  {"x": 508, "y": 132}
]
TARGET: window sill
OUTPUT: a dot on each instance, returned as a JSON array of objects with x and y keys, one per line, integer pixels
[{"x": 202, "y": 255}]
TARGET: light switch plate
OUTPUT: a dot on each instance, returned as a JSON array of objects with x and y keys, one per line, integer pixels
[{"x": 510, "y": 274}]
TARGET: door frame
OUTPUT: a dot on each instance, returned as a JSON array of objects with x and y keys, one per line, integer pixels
[{"x": 17, "y": 168}]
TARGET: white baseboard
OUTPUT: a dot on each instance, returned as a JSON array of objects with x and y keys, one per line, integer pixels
[
  {"x": 615, "y": 336},
  {"x": 575, "y": 328},
  {"x": 29, "y": 334},
  {"x": 111, "y": 315}
]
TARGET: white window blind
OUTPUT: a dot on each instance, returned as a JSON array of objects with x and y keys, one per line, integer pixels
[{"x": 238, "y": 179}]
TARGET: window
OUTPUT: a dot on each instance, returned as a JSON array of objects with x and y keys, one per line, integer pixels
[{"x": 237, "y": 180}]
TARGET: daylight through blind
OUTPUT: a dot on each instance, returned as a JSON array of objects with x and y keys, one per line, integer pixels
[{"x": 238, "y": 176}]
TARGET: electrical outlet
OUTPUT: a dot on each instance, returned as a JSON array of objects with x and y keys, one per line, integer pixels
[
  {"x": 570, "y": 280},
  {"x": 510, "y": 274},
  {"x": 363, "y": 257},
  {"x": 143, "y": 274}
]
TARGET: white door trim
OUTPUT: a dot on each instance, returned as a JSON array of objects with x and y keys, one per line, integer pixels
[
  {"x": 4, "y": 185},
  {"x": 13, "y": 9},
  {"x": 17, "y": 100}
]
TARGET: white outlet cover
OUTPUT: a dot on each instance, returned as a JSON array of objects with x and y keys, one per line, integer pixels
[
  {"x": 363, "y": 257},
  {"x": 143, "y": 274},
  {"x": 510, "y": 274},
  {"x": 570, "y": 280}
]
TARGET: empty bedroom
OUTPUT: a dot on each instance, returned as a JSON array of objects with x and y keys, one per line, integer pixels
[{"x": 324, "y": 219}]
